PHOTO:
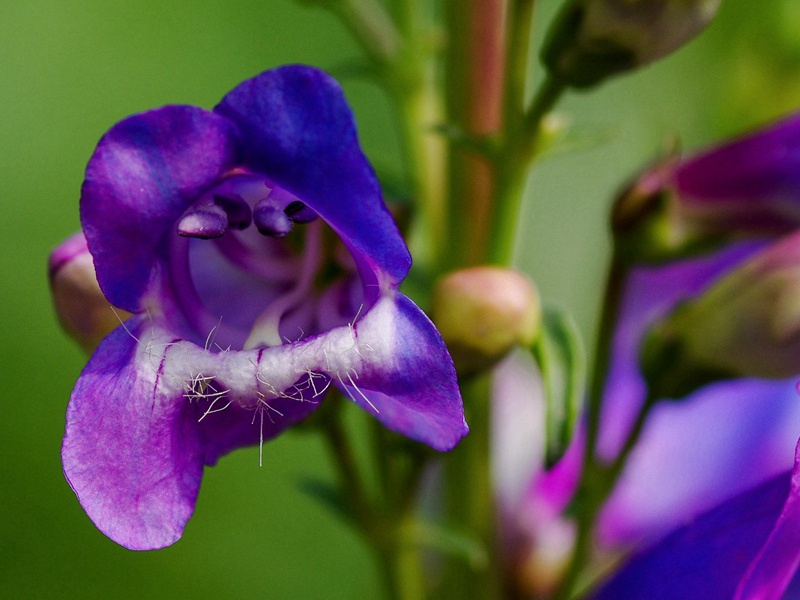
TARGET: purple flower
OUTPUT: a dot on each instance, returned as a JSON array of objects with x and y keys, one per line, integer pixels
[
  {"x": 724, "y": 440},
  {"x": 723, "y": 452},
  {"x": 747, "y": 188},
  {"x": 744, "y": 549},
  {"x": 252, "y": 245}
]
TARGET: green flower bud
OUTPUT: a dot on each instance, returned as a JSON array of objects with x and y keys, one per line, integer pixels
[
  {"x": 746, "y": 325},
  {"x": 484, "y": 312},
  {"x": 592, "y": 40}
]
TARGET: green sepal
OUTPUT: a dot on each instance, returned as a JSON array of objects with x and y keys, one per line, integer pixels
[{"x": 561, "y": 358}]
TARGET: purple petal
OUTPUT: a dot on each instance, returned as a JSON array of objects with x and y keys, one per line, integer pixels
[
  {"x": 131, "y": 451},
  {"x": 776, "y": 564},
  {"x": 405, "y": 378},
  {"x": 684, "y": 465},
  {"x": 705, "y": 559},
  {"x": 296, "y": 127},
  {"x": 518, "y": 417},
  {"x": 754, "y": 421},
  {"x": 649, "y": 294},
  {"x": 758, "y": 175},
  {"x": 143, "y": 175}
]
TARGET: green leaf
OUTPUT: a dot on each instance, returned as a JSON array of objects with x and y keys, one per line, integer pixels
[
  {"x": 450, "y": 542},
  {"x": 562, "y": 361}
]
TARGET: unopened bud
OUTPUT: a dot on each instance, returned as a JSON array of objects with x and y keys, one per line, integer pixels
[
  {"x": 685, "y": 205},
  {"x": 745, "y": 325},
  {"x": 484, "y": 312},
  {"x": 592, "y": 40},
  {"x": 82, "y": 309}
]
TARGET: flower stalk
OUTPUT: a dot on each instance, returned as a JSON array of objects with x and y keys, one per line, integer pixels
[{"x": 597, "y": 478}]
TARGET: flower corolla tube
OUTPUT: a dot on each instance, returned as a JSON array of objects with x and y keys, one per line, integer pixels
[{"x": 253, "y": 248}]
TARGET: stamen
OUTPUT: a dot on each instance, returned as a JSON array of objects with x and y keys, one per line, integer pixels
[
  {"x": 204, "y": 221},
  {"x": 271, "y": 220},
  {"x": 299, "y": 213},
  {"x": 238, "y": 211}
]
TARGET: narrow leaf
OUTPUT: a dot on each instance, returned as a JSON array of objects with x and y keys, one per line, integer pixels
[{"x": 562, "y": 360}]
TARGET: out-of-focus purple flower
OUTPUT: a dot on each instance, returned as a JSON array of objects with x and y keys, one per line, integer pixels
[
  {"x": 217, "y": 229},
  {"x": 721, "y": 441},
  {"x": 725, "y": 440},
  {"x": 747, "y": 548},
  {"x": 748, "y": 187},
  {"x": 746, "y": 324}
]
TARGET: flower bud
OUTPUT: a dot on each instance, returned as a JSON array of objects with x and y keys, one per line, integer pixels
[
  {"x": 82, "y": 309},
  {"x": 595, "y": 39},
  {"x": 684, "y": 205},
  {"x": 746, "y": 325},
  {"x": 483, "y": 312}
]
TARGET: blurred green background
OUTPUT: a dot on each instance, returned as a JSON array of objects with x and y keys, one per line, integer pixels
[{"x": 70, "y": 69}]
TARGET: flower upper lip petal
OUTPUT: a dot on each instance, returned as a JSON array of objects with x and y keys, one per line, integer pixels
[
  {"x": 143, "y": 175},
  {"x": 296, "y": 127}
]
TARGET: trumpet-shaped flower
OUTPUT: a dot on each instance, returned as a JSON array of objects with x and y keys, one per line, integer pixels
[{"x": 253, "y": 248}]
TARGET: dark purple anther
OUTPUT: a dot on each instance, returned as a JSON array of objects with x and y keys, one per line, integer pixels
[
  {"x": 239, "y": 215},
  {"x": 271, "y": 220},
  {"x": 205, "y": 221},
  {"x": 299, "y": 212}
]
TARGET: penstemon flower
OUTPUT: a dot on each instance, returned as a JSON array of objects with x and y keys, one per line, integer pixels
[
  {"x": 681, "y": 467},
  {"x": 714, "y": 467},
  {"x": 253, "y": 248}
]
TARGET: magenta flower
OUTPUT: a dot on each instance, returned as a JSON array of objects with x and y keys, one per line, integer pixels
[{"x": 253, "y": 247}]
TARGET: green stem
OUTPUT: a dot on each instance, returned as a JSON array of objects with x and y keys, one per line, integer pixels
[
  {"x": 519, "y": 42},
  {"x": 389, "y": 529},
  {"x": 401, "y": 563},
  {"x": 370, "y": 25},
  {"x": 352, "y": 485},
  {"x": 616, "y": 466},
  {"x": 602, "y": 355},
  {"x": 469, "y": 500},
  {"x": 475, "y": 77},
  {"x": 419, "y": 109},
  {"x": 598, "y": 478},
  {"x": 513, "y": 162},
  {"x": 519, "y": 140}
]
